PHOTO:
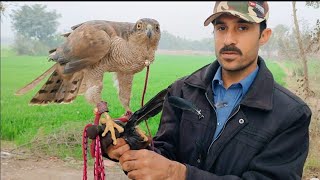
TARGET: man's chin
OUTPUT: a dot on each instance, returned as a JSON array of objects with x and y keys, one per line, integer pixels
[
  {"x": 230, "y": 65},
  {"x": 232, "y": 70}
]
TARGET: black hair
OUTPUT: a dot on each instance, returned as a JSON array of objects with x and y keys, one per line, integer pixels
[{"x": 263, "y": 26}]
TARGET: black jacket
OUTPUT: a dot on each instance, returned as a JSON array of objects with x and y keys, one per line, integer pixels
[{"x": 266, "y": 136}]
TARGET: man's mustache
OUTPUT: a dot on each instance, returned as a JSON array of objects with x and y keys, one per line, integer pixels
[{"x": 230, "y": 48}]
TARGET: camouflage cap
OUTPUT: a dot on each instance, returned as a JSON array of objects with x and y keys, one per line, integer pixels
[{"x": 252, "y": 11}]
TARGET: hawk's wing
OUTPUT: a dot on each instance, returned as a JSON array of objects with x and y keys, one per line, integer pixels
[{"x": 84, "y": 46}]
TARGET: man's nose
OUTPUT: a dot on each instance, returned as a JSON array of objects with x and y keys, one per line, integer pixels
[{"x": 230, "y": 38}]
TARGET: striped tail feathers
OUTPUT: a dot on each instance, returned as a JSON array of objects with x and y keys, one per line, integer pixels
[
  {"x": 58, "y": 89},
  {"x": 47, "y": 92},
  {"x": 69, "y": 88},
  {"x": 35, "y": 82}
]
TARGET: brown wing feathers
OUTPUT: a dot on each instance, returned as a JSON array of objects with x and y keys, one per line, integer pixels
[{"x": 86, "y": 46}]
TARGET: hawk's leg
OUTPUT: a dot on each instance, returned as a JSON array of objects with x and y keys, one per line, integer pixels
[
  {"x": 124, "y": 90},
  {"x": 102, "y": 108},
  {"x": 93, "y": 95}
]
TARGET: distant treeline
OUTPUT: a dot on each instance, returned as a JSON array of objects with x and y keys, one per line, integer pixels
[
  {"x": 168, "y": 41},
  {"x": 171, "y": 42}
]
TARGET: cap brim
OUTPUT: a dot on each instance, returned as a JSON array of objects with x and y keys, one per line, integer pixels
[
  {"x": 234, "y": 13},
  {"x": 211, "y": 18}
]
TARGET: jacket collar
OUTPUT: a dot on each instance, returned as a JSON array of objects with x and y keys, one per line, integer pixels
[{"x": 260, "y": 94}]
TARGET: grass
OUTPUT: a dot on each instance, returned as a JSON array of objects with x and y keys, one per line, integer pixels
[
  {"x": 297, "y": 66},
  {"x": 23, "y": 123},
  {"x": 277, "y": 71},
  {"x": 313, "y": 68},
  {"x": 6, "y": 51}
]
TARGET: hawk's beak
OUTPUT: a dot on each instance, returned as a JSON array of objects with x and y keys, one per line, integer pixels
[{"x": 149, "y": 31}]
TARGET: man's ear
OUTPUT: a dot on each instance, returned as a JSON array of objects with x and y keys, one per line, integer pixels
[{"x": 265, "y": 35}]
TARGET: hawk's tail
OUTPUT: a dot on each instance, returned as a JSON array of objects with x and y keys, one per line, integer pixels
[
  {"x": 59, "y": 89},
  {"x": 35, "y": 82}
]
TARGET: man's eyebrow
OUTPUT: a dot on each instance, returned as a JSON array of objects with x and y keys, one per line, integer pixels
[{"x": 216, "y": 22}]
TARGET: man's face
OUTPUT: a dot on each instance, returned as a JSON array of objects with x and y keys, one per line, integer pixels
[{"x": 236, "y": 43}]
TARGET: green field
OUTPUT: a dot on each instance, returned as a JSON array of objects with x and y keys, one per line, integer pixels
[{"x": 20, "y": 122}]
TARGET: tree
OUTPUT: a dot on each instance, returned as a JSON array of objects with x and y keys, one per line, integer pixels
[
  {"x": 2, "y": 7},
  {"x": 35, "y": 24},
  {"x": 171, "y": 42},
  {"x": 275, "y": 45},
  {"x": 315, "y": 4},
  {"x": 314, "y": 44},
  {"x": 302, "y": 50}
]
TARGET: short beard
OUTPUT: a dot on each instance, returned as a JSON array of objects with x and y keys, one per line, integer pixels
[{"x": 239, "y": 69}]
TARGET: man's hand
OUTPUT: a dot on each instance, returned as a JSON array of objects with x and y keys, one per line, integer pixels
[
  {"x": 114, "y": 152},
  {"x": 145, "y": 164}
]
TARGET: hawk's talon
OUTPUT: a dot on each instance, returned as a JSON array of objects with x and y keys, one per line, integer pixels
[
  {"x": 125, "y": 118},
  {"x": 110, "y": 126},
  {"x": 142, "y": 134}
]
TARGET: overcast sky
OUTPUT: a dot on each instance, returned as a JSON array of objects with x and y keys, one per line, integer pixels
[{"x": 179, "y": 18}]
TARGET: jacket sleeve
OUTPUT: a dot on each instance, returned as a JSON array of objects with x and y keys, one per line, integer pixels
[{"x": 282, "y": 158}]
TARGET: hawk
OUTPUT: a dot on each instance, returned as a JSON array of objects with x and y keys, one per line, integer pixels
[{"x": 91, "y": 49}]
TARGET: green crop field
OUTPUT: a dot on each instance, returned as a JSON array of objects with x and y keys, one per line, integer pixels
[{"x": 20, "y": 121}]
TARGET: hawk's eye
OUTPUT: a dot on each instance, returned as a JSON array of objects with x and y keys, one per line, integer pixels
[
  {"x": 157, "y": 27},
  {"x": 139, "y": 26}
]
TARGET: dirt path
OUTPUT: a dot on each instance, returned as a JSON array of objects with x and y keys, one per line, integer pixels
[{"x": 22, "y": 165}]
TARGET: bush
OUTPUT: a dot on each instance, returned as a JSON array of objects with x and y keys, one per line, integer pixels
[{"x": 27, "y": 46}]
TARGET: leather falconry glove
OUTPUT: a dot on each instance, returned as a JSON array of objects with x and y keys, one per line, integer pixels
[{"x": 131, "y": 134}]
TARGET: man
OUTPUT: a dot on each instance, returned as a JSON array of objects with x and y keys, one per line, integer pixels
[{"x": 252, "y": 127}]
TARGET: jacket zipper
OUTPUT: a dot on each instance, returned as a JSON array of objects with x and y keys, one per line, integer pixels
[
  {"x": 210, "y": 102},
  {"x": 223, "y": 125}
]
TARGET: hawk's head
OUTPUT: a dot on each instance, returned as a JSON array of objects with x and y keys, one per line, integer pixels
[{"x": 147, "y": 31}]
